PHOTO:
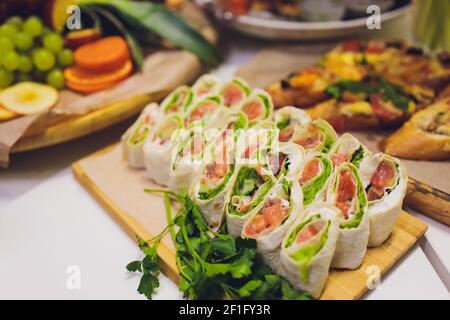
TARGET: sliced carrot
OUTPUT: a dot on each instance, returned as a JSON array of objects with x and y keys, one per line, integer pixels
[
  {"x": 88, "y": 89},
  {"x": 79, "y": 76},
  {"x": 105, "y": 54}
]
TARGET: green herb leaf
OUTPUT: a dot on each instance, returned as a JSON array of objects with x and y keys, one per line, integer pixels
[
  {"x": 249, "y": 287},
  {"x": 165, "y": 23},
  {"x": 134, "y": 266},
  {"x": 289, "y": 293},
  {"x": 147, "y": 285}
]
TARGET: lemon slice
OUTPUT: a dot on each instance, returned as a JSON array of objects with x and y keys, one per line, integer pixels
[{"x": 29, "y": 98}]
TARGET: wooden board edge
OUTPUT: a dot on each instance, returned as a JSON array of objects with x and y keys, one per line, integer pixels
[
  {"x": 76, "y": 127},
  {"x": 127, "y": 223}
]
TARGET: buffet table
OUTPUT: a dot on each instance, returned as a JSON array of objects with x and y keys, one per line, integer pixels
[{"x": 51, "y": 229}]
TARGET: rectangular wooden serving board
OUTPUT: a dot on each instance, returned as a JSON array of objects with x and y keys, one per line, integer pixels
[{"x": 120, "y": 191}]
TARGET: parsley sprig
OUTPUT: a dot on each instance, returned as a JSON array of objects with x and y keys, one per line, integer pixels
[{"x": 212, "y": 264}]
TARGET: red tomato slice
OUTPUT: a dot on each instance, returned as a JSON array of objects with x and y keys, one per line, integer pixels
[
  {"x": 310, "y": 171},
  {"x": 338, "y": 158},
  {"x": 382, "y": 175},
  {"x": 346, "y": 191},
  {"x": 352, "y": 46},
  {"x": 382, "y": 112},
  {"x": 306, "y": 233},
  {"x": 232, "y": 94},
  {"x": 253, "y": 109}
]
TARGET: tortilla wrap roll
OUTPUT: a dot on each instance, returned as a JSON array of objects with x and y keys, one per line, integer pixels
[
  {"x": 283, "y": 160},
  {"x": 346, "y": 192},
  {"x": 317, "y": 135},
  {"x": 252, "y": 141},
  {"x": 348, "y": 148},
  {"x": 249, "y": 186},
  {"x": 308, "y": 248},
  {"x": 234, "y": 92},
  {"x": 178, "y": 101},
  {"x": 207, "y": 113},
  {"x": 272, "y": 218},
  {"x": 158, "y": 149},
  {"x": 287, "y": 119},
  {"x": 257, "y": 106},
  {"x": 187, "y": 159},
  {"x": 135, "y": 137},
  {"x": 204, "y": 86},
  {"x": 314, "y": 176},
  {"x": 213, "y": 181},
  {"x": 385, "y": 180}
]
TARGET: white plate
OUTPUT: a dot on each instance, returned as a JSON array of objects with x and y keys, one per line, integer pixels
[{"x": 294, "y": 30}]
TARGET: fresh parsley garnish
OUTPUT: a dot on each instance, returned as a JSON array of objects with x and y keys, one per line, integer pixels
[{"x": 212, "y": 264}]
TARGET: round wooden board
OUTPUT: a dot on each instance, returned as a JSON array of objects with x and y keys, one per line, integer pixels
[{"x": 78, "y": 126}]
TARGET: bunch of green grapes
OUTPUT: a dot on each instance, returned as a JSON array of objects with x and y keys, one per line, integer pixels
[{"x": 29, "y": 51}]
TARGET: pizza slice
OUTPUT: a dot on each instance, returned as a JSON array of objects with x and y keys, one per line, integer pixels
[
  {"x": 426, "y": 136},
  {"x": 360, "y": 105},
  {"x": 422, "y": 75}
]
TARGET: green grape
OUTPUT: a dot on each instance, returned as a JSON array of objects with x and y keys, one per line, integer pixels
[
  {"x": 43, "y": 59},
  {"x": 8, "y": 30},
  {"x": 16, "y": 21},
  {"x": 65, "y": 57},
  {"x": 6, "y": 45},
  {"x": 11, "y": 61},
  {"x": 25, "y": 63},
  {"x": 23, "y": 41},
  {"x": 6, "y": 78},
  {"x": 53, "y": 42},
  {"x": 21, "y": 77},
  {"x": 55, "y": 78},
  {"x": 33, "y": 26}
]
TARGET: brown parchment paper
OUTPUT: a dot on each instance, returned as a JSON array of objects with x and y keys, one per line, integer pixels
[{"x": 272, "y": 64}]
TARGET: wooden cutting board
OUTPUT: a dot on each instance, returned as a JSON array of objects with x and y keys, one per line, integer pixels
[{"x": 120, "y": 191}]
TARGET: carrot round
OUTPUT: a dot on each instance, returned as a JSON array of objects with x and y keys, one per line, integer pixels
[
  {"x": 78, "y": 75},
  {"x": 88, "y": 89},
  {"x": 104, "y": 54}
]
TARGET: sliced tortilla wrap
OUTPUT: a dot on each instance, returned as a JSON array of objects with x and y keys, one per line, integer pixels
[
  {"x": 317, "y": 135},
  {"x": 252, "y": 141},
  {"x": 346, "y": 192},
  {"x": 283, "y": 160},
  {"x": 308, "y": 248},
  {"x": 134, "y": 138},
  {"x": 178, "y": 101},
  {"x": 314, "y": 176},
  {"x": 257, "y": 106},
  {"x": 234, "y": 92},
  {"x": 287, "y": 119},
  {"x": 205, "y": 85},
  {"x": 249, "y": 186},
  {"x": 272, "y": 218},
  {"x": 385, "y": 191},
  {"x": 206, "y": 113},
  {"x": 187, "y": 159},
  {"x": 158, "y": 149},
  {"x": 348, "y": 148},
  {"x": 213, "y": 181}
]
